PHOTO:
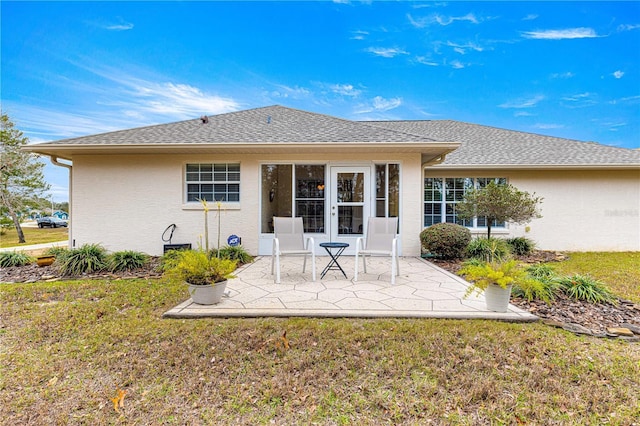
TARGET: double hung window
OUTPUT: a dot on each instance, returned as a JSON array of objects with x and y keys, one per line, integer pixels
[{"x": 213, "y": 182}]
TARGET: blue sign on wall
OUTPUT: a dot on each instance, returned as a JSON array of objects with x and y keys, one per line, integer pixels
[{"x": 233, "y": 240}]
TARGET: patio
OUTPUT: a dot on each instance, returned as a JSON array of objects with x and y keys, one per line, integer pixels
[{"x": 421, "y": 291}]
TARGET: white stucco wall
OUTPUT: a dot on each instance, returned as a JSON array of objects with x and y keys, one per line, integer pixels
[
  {"x": 126, "y": 202},
  {"x": 582, "y": 210}
]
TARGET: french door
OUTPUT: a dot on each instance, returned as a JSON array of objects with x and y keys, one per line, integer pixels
[{"x": 350, "y": 203}]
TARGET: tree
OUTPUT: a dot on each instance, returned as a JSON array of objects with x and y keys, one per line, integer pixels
[
  {"x": 499, "y": 202},
  {"x": 21, "y": 173}
]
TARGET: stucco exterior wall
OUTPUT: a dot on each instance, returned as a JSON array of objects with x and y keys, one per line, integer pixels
[
  {"x": 582, "y": 210},
  {"x": 126, "y": 202}
]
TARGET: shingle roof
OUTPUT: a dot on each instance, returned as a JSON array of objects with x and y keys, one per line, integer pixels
[
  {"x": 484, "y": 146},
  {"x": 274, "y": 124},
  {"x": 481, "y": 146}
]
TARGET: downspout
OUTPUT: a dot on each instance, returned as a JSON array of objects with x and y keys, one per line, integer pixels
[{"x": 55, "y": 162}]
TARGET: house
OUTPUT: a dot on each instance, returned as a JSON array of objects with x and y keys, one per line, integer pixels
[
  {"x": 61, "y": 215},
  {"x": 278, "y": 161}
]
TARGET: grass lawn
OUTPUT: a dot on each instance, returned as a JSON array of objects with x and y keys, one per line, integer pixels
[
  {"x": 620, "y": 271},
  {"x": 67, "y": 347},
  {"x": 33, "y": 236}
]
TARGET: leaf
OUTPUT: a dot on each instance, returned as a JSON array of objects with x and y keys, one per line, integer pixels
[{"x": 118, "y": 400}]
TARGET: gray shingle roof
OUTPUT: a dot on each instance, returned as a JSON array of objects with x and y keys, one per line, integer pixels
[
  {"x": 274, "y": 124},
  {"x": 484, "y": 145},
  {"x": 481, "y": 146}
]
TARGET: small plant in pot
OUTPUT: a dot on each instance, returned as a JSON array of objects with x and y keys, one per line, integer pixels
[
  {"x": 494, "y": 279},
  {"x": 206, "y": 276}
]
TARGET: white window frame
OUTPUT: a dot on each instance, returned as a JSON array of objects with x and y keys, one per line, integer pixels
[
  {"x": 443, "y": 202},
  {"x": 213, "y": 181}
]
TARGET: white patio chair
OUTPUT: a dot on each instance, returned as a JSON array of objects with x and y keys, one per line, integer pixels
[
  {"x": 381, "y": 240},
  {"x": 289, "y": 240}
]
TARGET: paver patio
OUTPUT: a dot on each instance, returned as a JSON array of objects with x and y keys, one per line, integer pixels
[{"x": 422, "y": 290}]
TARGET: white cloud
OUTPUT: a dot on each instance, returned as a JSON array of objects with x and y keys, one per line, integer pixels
[
  {"x": 345, "y": 90},
  {"x": 523, "y": 103},
  {"x": 379, "y": 104},
  {"x": 628, "y": 27},
  {"x": 457, "y": 64},
  {"x": 463, "y": 48},
  {"x": 119, "y": 27},
  {"x": 386, "y": 52},
  {"x": 530, "y": 17},
  {"x": 522, "y": 114},
  {"x": 426, "y": 61},
  {"x": 290, "y": 92},
  {"x": 359, "y": 35},
  {"x": 442, "y": 20},
  {"x": 618, "y": 74},
  {"x": 569, "y": 33},
  {"x": 578, "y": 97},
  {"x": 548, "y": 126},
  {"x": 567, "y": 74}
]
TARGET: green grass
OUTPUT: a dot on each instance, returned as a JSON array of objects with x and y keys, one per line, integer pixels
[
  {"x": 33, "y": 236},
  {"x": 68, "y": 346},
  {"x": 620, "y": 271}
]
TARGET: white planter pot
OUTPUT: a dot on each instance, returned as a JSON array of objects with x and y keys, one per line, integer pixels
[
  {"x": 207, "y": 294},
  {"x": 497, "y": 298}
]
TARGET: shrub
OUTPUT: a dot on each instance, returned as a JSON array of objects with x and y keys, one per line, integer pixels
[
  {"x": 445, "y": 240},
  {"x": 483, "y": 274},
  {"x": 14, "y": 258},
  {"x": 127, "y": 260},
  {"x": 530, "y": 289},
  {"x": 584, "y": 287},
  {"x": 489, "y": 249},
  {"x": 59, "y": 252},
  {"x": 237, "y": 253},
  {"x": 542, "y": 272},
  {"x": 521, "y": 246},
  {"x": 86, "y": 259}
]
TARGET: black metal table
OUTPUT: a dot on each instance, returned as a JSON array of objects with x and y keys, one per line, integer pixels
[{"x": 333, "y": 263}]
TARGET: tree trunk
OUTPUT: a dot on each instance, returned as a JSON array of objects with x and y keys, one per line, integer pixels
[
  {"x": 16, "y": 222},
  {"x": 489, "y": 222}
]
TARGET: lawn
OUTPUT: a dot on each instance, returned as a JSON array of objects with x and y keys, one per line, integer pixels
[
  {"x": 67, "y": 347},
  {"x": 620, "y": 271},
  {"x": 33, "y": 236}
]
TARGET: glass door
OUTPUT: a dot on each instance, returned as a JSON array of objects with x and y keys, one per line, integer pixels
[{"x": 350, "y": 203}]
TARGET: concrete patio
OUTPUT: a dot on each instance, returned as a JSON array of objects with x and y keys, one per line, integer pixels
[{"x": 422, "y": 290}]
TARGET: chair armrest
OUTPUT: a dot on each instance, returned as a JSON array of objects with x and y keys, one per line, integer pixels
[
  {"x": 311, "y": 241},
  {"x": 359, "y": 244}
]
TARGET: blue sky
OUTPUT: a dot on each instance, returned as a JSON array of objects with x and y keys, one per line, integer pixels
[{"x": 566, "y": 69}]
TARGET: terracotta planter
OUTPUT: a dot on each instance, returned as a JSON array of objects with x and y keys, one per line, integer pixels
[
  {"x": 497, "y": 298},
  {"x": 207, "y": 294},
  {"x": 45, "y": 260}
]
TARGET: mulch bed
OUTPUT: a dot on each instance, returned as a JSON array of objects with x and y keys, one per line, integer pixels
[{"x": 563, "y": 310}]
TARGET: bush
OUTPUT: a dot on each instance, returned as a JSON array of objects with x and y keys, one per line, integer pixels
[
  {"x": 237, "y": 253},
  {"x": 14, "y": 258},
  {"x": 530, "y": 289},
  {"x": 127, "y": 260},
  {"x": 584, "y": 287},
  {"x": 521, "y": 246},
  {"x": 542, "y": 272},
  {"x": 445, "y": 240},
  {"x": 59, "y": 252},
  {"x": 86, "y": 259},
  {"x": 489, "y": 249}
]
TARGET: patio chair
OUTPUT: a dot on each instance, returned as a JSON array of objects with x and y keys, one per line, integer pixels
[
  {"x": 381, "y": 240},
  {"x": 289, "y": 240}
]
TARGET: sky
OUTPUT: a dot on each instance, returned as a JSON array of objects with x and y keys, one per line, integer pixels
[{"x": 565, "y": 69}]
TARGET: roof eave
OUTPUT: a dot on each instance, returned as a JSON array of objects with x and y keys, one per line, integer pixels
[{"x": 600, "y": 166}]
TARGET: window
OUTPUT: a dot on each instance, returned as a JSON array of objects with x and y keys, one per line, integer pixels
[
  {"x": 387, "y": 190},
  {"x": 294, "y": 190},
  {"x": 213, "y": 182},
  {"x": 442, "y": 194}
]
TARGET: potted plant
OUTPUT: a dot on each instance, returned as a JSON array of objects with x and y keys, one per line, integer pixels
[
  {"x": 495, "y": 279},
  {"x": 206, "y": 275}
]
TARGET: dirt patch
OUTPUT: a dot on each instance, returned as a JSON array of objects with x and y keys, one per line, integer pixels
[{"x": 564, "y": 310}]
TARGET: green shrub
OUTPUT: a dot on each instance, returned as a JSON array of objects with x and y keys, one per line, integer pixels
[
  {"x": 86, "y": 259},
  {"x": 530, "y": 289},
  {"x": 126, "y": 260},
  {"x": 542, "y": 272},
  {"x": 482, "y": 274},
  {"x": 237, "y": 253},
  {"x": 521, "y": 246},
  {"x": 59, "y": 252},
  {"x": 14, "y": 258},
  {"x": 584, "y": 287},
  {"x": 489, "y": 249},
  {"x": 445, "y": 240}
]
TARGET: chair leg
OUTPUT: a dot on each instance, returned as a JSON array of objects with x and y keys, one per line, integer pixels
[
  {"x": 277, "y": 256},
  {"x": 304, "y": 264},
  {"x": 313, "y": 267},
  {"x": 355, "y": 275},
  {"x": 394, "y": 269}
]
